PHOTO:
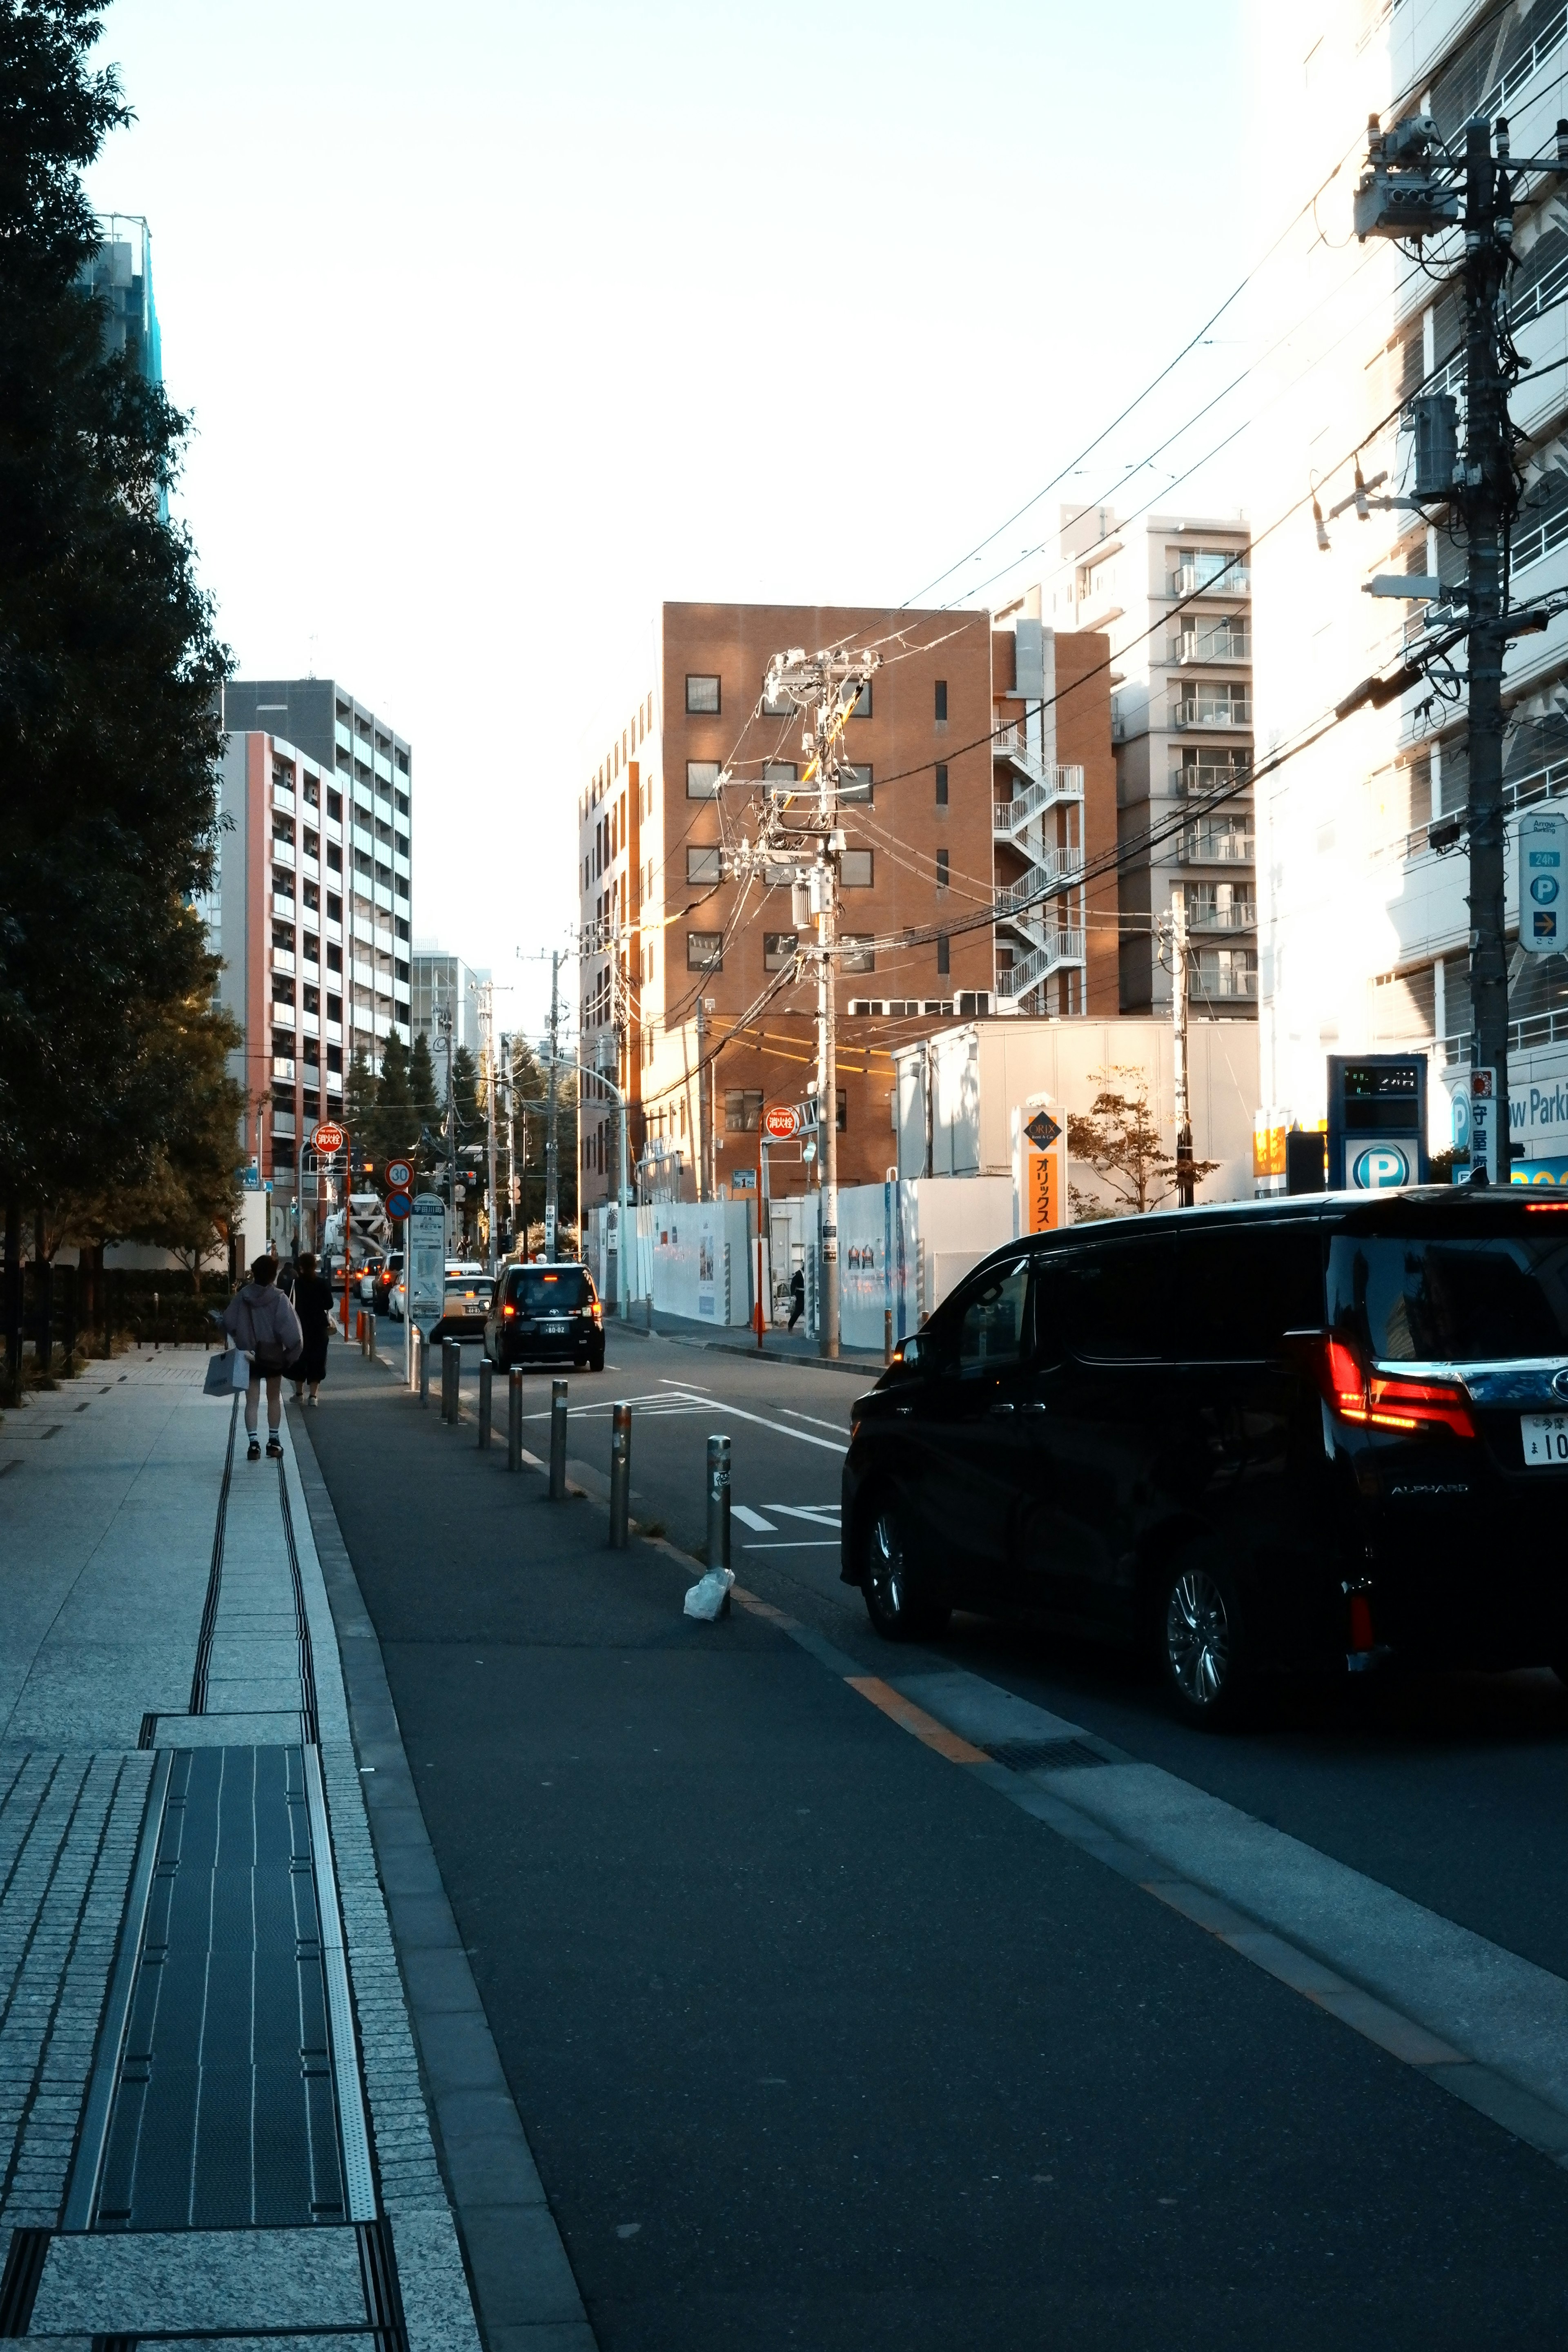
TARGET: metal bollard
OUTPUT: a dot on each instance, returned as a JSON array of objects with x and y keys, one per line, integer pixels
[
  {"x": 718, "y": 1502},
  {"x": 886, "y": 1335},
  {"x": 620, "y": 1475},
  {"x": 451, "y": 1378},
  {"x": 370, "y": 1335},
  {"x": 558, "y": 1441},
  {"x": 514, "y": 1418},
  {"x": 424, "y": 1351},
  {"x": 485, "y": 1378}
]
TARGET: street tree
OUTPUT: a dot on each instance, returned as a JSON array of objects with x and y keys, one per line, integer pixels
[{"x": 1119, "y": 1139}]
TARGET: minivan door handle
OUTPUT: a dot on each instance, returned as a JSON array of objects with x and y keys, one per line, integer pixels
[
  {"x": 1033, "y": 1405},
  {"x": 999, "y": 1407}
]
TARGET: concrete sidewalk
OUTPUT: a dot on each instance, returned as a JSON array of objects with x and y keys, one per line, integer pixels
[{"x": 211, "y": 2120}]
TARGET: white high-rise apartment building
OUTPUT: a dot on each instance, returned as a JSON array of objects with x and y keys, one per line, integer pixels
[{"x": 1363, "y": 926}]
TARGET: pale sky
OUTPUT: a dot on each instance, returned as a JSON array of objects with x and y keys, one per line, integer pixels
[{"x": 501, "y": 323}]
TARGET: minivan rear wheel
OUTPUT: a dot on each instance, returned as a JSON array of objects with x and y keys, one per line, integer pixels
[
  {"x": 894, "y": 1602},
  {"x": 1201, "y": 1642}
]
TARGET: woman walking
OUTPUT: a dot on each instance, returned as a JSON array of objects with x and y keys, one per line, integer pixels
[
  {"x": 259, "y": 1320},
  {"x": 314, "y": 1306}
]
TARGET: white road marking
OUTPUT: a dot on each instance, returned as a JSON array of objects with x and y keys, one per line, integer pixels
[
  {"x": 816, "y": 1515},
  {"x": 725, "y": 1411},
  {"x": 668, "y": 1383},
  {"x": 805, "y": 1543},
  {"x": 816, "y": 1419},
  {"x": 749, "y": 1518}
]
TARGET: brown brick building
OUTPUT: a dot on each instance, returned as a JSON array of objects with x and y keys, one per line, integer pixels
[{"x": 982, "y": 775}]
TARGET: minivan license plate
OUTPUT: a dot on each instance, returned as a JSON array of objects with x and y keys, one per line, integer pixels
[{"x": 1545, "y": 1437}]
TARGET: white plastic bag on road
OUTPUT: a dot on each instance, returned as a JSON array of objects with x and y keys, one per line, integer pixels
[{"x": 710, "y": 1597}]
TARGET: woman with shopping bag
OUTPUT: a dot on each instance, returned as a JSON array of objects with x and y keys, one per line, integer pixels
[{"x": 260, "y": 1321}]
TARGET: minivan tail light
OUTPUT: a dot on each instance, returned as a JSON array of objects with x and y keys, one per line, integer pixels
[
  {"x": 509, "y": 1308},
  {"x": 1386, "y": 1400}
]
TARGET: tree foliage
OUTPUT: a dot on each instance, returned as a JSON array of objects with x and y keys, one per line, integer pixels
[
  {"x": 109, "y": 675},
  {"x": 1119, "y": 1139}
]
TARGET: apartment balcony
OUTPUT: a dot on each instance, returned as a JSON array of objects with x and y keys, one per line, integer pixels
[
  {"x": 1210, "y": 645},
  {"x": 282, "y": 1015},
  {"x": 1212, "y": 981},
  {"x": 283, "y": 798},
  {"x": 1209, "y": 845},
  {"x": 1212, "y": 711},
  {"x": 283, "y": 1070},
  {"x": 283, "y": 908},
  {"x": 334, "y": 1082},
  {"x": 310, "y": 1024},
  {"x": 1210, "y": 579},
  {"x": 1047, "y": 788},
  {"x": 1062, "y": 951},
  {"x": 282, "y": 960},
  {"x": 334, "y": 1033},
  {"x": 1197, "y": 782},
  {"x": 283, "y": 851},
  {"x": 1241, "y": 915},
  {"x": 282, "y": 1122}
]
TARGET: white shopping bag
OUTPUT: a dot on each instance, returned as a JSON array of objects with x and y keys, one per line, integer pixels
[{"x": 710, "y": 1597}]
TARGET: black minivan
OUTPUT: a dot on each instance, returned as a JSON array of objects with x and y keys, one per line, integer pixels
[
  {"x": 546, "y": 1315},
  {"x": 1322, "y": 1431}
]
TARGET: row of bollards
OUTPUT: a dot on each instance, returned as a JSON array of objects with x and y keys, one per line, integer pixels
[{"x": 620, "y": 1444}]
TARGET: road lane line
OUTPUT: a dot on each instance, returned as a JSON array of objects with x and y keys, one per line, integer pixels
[
  {"x": 724, "y": 1410},
  {"x": 749, "y": 1518},
  {"x": 816, "y": 1421},
  {"x": 910, "y": 1717},
  {"x": 805, "y": 1543}
]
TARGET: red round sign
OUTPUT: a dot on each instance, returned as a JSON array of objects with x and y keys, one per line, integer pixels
[
  {"x": 329, "y": 1140},
  {"x": 781, "y": 1122},
  {"x": 399, "y": 1174}
]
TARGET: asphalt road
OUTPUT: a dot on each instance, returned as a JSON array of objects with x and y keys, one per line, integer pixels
[{"x": 819, "y": 2042}]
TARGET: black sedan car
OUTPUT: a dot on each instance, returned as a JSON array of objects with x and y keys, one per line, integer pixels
[
  {"x": 1329, "y": 1432},
  {"x": 546, "y": 1315}
]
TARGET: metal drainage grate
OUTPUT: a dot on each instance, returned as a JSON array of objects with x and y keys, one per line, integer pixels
[{"x": 1059, "y": 1755}]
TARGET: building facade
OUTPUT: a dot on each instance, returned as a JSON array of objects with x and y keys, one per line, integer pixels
[
  {"x": 1365, "y": 921},
  {"x": 444, "y": 984},
  {"x": 121, "y": 274},
  {"x": 1173, "y": 596},
  {"x": 310, "y": 914},
  {"x": 980, "y": 776}
]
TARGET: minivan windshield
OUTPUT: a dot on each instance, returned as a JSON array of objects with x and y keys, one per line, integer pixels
[
  {"x": 548, "y": 1289},
  {"x": 1453, "y": 1297}
]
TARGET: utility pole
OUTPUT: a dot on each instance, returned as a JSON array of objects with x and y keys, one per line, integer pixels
[
  {"x": 1414, "y": 186},
  {"x": 511, "y": 1100},
  {"x": 1185, "y": 1185},
  {"x": 552, "y": 1152},
  {"x": 486, "y": 993},
  {"x": 704, "y": 1142},
  {"x": 444, "y": 1025},
  {"x": 825, "y": 686}
]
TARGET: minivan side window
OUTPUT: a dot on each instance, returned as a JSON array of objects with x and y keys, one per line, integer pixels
[
  {"x": 985, "y": 1322},
  {"x": 1111, "y": 1300},
  {"x": 1242, "y": 1286}
]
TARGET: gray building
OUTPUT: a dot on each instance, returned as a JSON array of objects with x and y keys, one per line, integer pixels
[
  {"x": 372, "y": 765},
  {"x": 442, "y": 983}
]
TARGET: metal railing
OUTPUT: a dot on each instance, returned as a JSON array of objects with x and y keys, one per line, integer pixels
[
  {"x": 1061, "y": 948},
  {"x": 1211, "y": 580},
  {"x": 1208, "y": 777},
  {"x": 1211, "y": 646},
  {"x": 1240, "y": 916},
  {"x": 1214, "y": 982},
  {"x": 1213, "y": 710},
  {"x": 1210, "y": 846},
  {"x": 1049, "y": 785}
]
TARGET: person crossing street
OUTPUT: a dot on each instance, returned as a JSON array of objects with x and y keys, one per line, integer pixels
[{"x": 261, "y": 1322}]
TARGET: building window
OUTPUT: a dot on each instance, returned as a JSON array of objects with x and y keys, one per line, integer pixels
[
  {"x": 855, "y": 785},
  {"x": 941, "y": 702},
  {"x": 842, "y": 1121},
  {"x": 704, "y": 951},
  {"x": 335, "y": 805},
  {"x": 313, "y": 793},
  {"x": 334, "y": 963},
  {"x": 863, "y": 702},
  {"x": 283, "y": 937},
  {"x": 943, "y": 961},
  {"x": 312, "y": 949},
  {"x": 703, "y": 696},
  {"x": 856, "y": 869},
  {"x": 781, "y": 707},
  {"x": 335, "y": 1008},
  {"x": 778, "y": 771},
  {"x": 705, "y": 865},
  {"x": 942, "y": 783},
  {"x": 779, "y": 949},
  {"x": 703, "y": 779},
  {"x": 942, "y": 869},
  {"x": 858, "y": 951},
  {"x": 743, "y": 1110},
  {"x": 335, "y": 908}
]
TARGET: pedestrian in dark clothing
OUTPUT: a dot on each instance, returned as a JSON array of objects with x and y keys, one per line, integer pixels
[
  {"x": 288, "y": 1276},
  {"x": 314, "y": 1306},
  {"x": 796, "y": 1297}
]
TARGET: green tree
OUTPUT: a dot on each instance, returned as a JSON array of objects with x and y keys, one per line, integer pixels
[
  {"x": 359, "y": 1101},
  {"x": 110, "y": 671},
  {"x": 425, "y": 1097},
  {"x": 1121, "y": 1141},
  {"x": 397, "y": 1129}
]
